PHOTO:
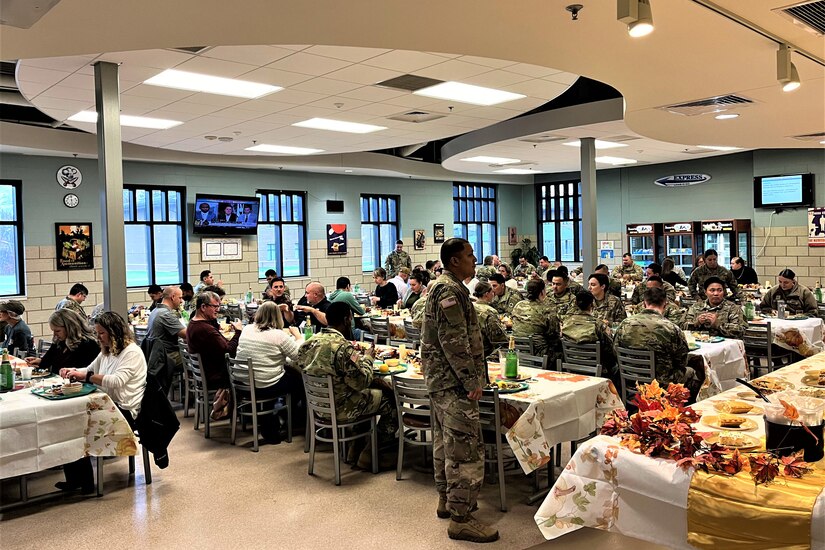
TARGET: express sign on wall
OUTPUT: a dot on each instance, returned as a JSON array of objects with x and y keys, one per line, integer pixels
[{"x": 682, "y": 180}]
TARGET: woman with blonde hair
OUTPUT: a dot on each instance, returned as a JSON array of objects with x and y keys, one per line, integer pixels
[{"x": 73, "y": 343}]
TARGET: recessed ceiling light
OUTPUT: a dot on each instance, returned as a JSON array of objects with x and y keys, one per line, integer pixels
[
  {"x": 283, "y": 149},
  {"x": 599, "y": 144},
  {"x": 615, "y": 161},
  {"x": 129, "y": 120},
  {"x": 726, "y": 116},
  {"x": 491, "y": 160},
  {"x": 195, "y": 82},
  {"x": 822, "y": 142},
  {"x": 514, "y": 171},
  {"x": 467, "y": 93},
  {"x": 718, "y": 147},
  {"x": 348, "y": 171},
  {"x": 339, "y": 126}
]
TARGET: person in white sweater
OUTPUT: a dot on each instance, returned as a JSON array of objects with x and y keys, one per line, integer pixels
[{"x": 270, "y": 345}]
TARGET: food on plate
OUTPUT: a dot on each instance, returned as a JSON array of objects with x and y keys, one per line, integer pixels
[
  {"x": 733, "y": 407},
  {"x": 771, "y": 385},
  {"x": 387, "y": 354},
  {"x": 810, "y": 391},
  {"x": 504, "y": 385},
  {"x": 731, "y": 420},
  {"x": 733, "y": 439},
  {"x": 72, "y": 388},
  {"x": 391, "y": 362},
  {"x": 384, "y": 367}
]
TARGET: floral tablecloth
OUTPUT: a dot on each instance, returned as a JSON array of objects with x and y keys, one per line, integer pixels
[
  {"x": 724, "y": 362},
  {"x": 605, "y": 486},
  {"x": 37, "y": 434}
]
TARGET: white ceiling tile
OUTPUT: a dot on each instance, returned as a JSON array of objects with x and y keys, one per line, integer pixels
[
  {"x": 66, "y": 64},
  {"x": 306, "y": 63},
  {"x": 264, "y": 107},
  {"x": 323, "y": 85},
  {"x": 128, "y": 133},
  {"x": 487, "y": 61},
  {"x": 215, "y": 67},
  {"x": 353, "y": 54},
  {"x": 404, "y": 61},
  {"x": 275, "y": 77},
  {"x": 158, "y": 59},
  {"x": 362, "y": 74},
  {"x": 250, "y": 55},
  {"x": 535, "y": 71},
  {"x": 314, "y": 112},
  {"x": 293, "y": 47},
  {"x": 32, "y": 89},
  {"x": 374, "y": 93},
  {"x": 409, "y": 100},
  {"x": 294, "y": 96},
  {"x": 82, "y": 81},
  {"x": 63, "y": 92},
  {"x": 192, "y": 108},
  {"x": 58, "y": 114},
  {"x": 169, "y": 94},
  {"x": 170, "y": 114},
  {"x": 238, "y": 114},
  {"x": 36, "y": 74},
  {"x": 562, "y": 78},
  {"x": 134, "y": 105},
  {"x": 280, "y": 119},
  {"x": 446, "y": 55},
  {"x": 130, "y": 71},
  {"x": 215, "y": 100},
  {"x": 496, "y": 79},
  {"x": 65, "y": 104},
  {"x": 525, "y": 104},
  {"x": 538, "y": 88},
  {"x": 207, "y": 124},
  {"x": 452, "y": 70},
  {"x": 380, "y": 109},
  {"x": 339, "y": 103},
  {"x": 491, "y": 113}
]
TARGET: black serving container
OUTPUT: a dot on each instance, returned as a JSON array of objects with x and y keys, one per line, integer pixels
[{"x": 785, "y": 439}]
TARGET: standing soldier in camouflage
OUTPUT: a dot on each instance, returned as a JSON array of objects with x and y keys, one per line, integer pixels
[
  {"x": 606, "y": 307},
  {"x": 455, "y": 373},
  {"x": 717, "y": 316},
  {"x": 561, "y": 298},
  {"x": 397, "y": 259},
  {"x": 582, "y": 327},
  {"x": 505, "y": 297},
  {"x": 536, "y": 319},
  {"x": 484, "y": 272},
  {"x": 650, "y": 331},
  {"x": 331, "y": 352},
  {"x": 493, "y": 334},
  {"x": 672, "y": 311},
  {"x": 629, "y": 270},
  {"x": 524, "y": 268},
  {"x": 711, "y": 268}
]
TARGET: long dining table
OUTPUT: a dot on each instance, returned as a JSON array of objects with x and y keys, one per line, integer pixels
[{"x": 606, "y": 486}]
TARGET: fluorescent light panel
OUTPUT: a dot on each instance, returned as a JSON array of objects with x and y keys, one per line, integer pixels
[
  {"x": 283, "y": 149},
  {"x": 615, "y": 161},
  {"x": 129, "y": 120},
  {"x": 339, "y": 126},
  {"x": 196, "y": 82},
  {"x": 726, "y": 116},
  {"x": 515, "y": 171},
  {"x": 491, "y": 160},
  {"x": 599, "y": 144},
  {"x": 718, "y": 147},
  {"x": 467, "y": 93}
]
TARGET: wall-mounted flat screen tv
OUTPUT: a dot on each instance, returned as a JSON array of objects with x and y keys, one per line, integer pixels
[
  {"x": 225, "y": 215},
  {"x": 790, "y": 191}
]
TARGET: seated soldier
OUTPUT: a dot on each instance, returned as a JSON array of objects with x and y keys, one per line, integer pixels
[
  {"x": 330, "y": 352},
  {"x": 650, "y": 271},
  {"x": 673, "y": 312},
  {"x": 649, "y": 330},
  {"x": 505, "y": 297},
  {"x": 606, "y": 307},
  {"x": 582, "y": 327},
  {"x": 615, "y": 286},
  {"x": 561, "y": 297},
  {"x": 524, "y": 268},
  {"x": 572, "y": 285},
  {"x": 797, "y": 298},
  {"x": 717, "y": 316},
  {"x": 535, "y": 318},
  {"x": 493, "y": 334}
]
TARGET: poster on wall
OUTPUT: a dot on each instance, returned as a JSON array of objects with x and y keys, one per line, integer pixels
[
  {"x": 816, "y": 226},
  {"x": 74, "y": 248},
  {"x": 418, "y": 239},
  {"x": 438, "y": 232},
  {"x": 512, "y": 236},
  {"x": 336, "y": 239}
]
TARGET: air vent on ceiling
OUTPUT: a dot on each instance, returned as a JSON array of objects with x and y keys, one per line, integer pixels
[
  {"x": 409, "y": 82},
  {"x": 818, "y": 136},
  {"x": 707, "y": 106},
  {"x": 808, "y": 15},
  {"x": 544, "y": 138},
  {"x": 416, "y": 116},
  {"x": 191, "y": 49}
]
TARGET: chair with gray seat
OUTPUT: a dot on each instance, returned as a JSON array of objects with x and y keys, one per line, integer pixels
[
  {"x": 760, "y": 351},
  {"x": 534, "y": 361},
  {"x": 380, "y": 328},
  {"x": 490, "y": 420},
  {"x": 200, "y": 389},
  {"x": 581, "y": 358},
  {"x": 414, "y": 416},
  {"x": 636, "y": 366},
  {"x": 413, "y": 333}
]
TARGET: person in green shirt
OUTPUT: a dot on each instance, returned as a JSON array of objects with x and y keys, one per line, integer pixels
[{"x": 343, "y": 293}]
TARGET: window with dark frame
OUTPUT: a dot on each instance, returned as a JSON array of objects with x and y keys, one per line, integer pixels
[
  {"x": 379, "y": 229},
  {"x": 474, "y": 217},
  {"x": 155, "y": 230},
  {"x": 282, "y": 233},
  {"x": 559, "y": 217},
  {"x": 12, "y": 272}
]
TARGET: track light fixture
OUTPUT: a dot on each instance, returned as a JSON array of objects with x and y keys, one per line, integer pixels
[
  {"x": 637, "y": 15},
  {"x": 786, "y": 72}
]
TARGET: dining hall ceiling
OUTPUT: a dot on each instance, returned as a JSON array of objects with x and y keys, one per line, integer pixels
[{"x": 330, "y": 58}]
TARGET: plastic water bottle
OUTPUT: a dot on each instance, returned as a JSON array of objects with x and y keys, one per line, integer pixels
[
  {"x": 249, "y": 296},
  {"x": 780, "y": 309}
]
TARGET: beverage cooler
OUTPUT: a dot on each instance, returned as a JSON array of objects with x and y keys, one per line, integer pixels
[
  {"x": 676, "y": 242},
  {"x": 728, "y": 237},
  {"x": 641, "y": 238}
]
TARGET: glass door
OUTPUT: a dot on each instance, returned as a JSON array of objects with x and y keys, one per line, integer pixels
[
  {"x": 721, "y": 243},
  {"x": 680, "y": 248},
  {"x": 641, "y": 247},
  {"x": 743, "y": 250}
]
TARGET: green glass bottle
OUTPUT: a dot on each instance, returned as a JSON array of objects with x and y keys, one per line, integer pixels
[
  {"x": 308, "y": 332},
  {"x": 511, "y": 362},
  {"x": 6, "y": 373}
]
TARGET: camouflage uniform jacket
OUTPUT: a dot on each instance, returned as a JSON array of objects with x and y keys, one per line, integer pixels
[
  {"x": 673, "y": 312},
  {"x": 611, "y": 309},
  {"x": 574, "y": 287},
  {"x": 799, "y": 299},
  {"x": 452, "y": 353},
  {"x": 615, "y": 288},
  {"x": 493, "y": 334},
  {"x": 650, "y": 331},
  {"x": 507, "y": 301},
  {"x": 68, "y": 303},
  {"x": 584, "y": 328},
  {"x": 395, "y": 261},
  {"x": 417, "y": 311},
  {"x": 564, "y": 302},
  {"x": 538, "y": 321},
  {"x": 730, "y": 321},
  {"x": 696, "y": 284},
  {"x": 634, "y": 271},
  {"x": 639, "y": 291},
  {"x": 329, "y": 353},
  {"x": 523, "y": 270},
  {"x": 484, "y": 272},
  {"x": 542, "y": 272}
]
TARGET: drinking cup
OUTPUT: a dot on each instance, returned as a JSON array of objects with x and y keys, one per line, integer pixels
[{"x": 26, "y": 373}]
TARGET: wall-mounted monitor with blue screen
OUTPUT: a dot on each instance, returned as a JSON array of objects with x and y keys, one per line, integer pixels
[
  {"x": 790, "y": 191},
  {"x": 225, "y": 215}
]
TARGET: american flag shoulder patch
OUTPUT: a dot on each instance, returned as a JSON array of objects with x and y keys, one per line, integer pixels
[
  {"x": 354, "y": 357},
  {"x": 447, "y": 302}
]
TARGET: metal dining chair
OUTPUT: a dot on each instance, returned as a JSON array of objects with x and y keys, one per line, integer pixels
[
  {"x": 635, "y": 367},
  {"x": 524, "y": 344},
  {"x": 413, "y": 333},
  {"x": 140, "y": 333},
  {"x": 410, "y": 344},
  {"x": 200, "y": 386},
  {"x": 43, "y": 346},
  {"x": 534, "y": 361},
  {"x": 380, "y": 327},
  {"x": 414, "y": 416},
  {"x": 760, "y": 351},
  {"x": 581, "y": 358},
  {"x": 490, "y": 420}
]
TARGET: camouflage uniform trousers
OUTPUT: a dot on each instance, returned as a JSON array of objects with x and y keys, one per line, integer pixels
[
  {"x": 381, "y": 402},
  {"x": 458, "y": 449}
]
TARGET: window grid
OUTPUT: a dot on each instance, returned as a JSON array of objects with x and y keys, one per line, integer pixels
[
  {"x": 12, "y": 271},
  {"x": 379, "y": 229},
  {"x": 156, "y": 232},
  {"x": 282, "y": 234},
  {"x": 559, "y": 217},
  {"x": 474, "y": 217}
]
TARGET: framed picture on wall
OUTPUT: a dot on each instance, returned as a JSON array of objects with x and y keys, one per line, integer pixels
[
  {"x": 336, "y": 239},
  {"x": 74, "y": 248},
  {"x": 418, "y": 239},
  {"x": 438, "y": 232},
  {"x": 512, "y": 235}
]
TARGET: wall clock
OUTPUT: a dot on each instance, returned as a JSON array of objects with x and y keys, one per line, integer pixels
[{"x": 71, "y": 200}]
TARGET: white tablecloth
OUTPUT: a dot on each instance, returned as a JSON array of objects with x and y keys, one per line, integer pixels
[
  {"x": 724, "y": 362},
  {"x": 608, "y": 487},
  {"x": 36, "y": 434},
  {"x": 810, "y": 327}
]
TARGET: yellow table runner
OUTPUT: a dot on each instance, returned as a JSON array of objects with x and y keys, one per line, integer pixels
[{"x": 733, "y": 512}]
